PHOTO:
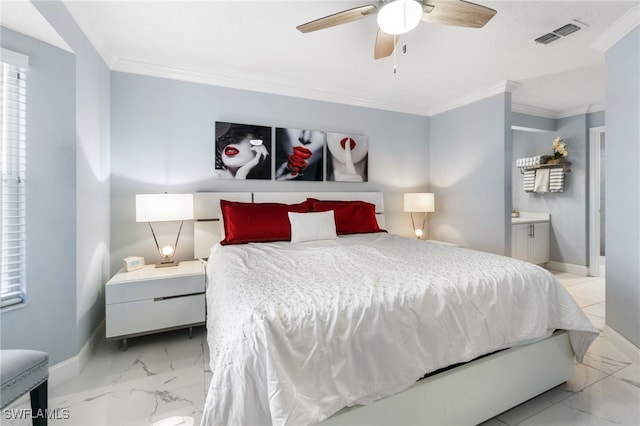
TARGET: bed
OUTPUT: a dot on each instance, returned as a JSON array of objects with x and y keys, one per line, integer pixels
[{"x": 341, "y": 330}]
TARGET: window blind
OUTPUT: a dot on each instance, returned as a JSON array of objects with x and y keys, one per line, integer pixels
[{"x": 13, "y": 83}]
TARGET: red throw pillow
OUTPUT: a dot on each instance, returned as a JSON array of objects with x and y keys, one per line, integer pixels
[
  {"x": 352, "y": 217},
  {"x": 257, "y": 222}
]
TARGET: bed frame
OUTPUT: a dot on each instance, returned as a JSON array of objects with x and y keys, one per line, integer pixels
[{"x": 464, "y": 395}]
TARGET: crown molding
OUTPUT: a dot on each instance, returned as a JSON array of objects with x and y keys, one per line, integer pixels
[
  {"x": 579, "y": 111},
  {"x": 110, "y": 59},
  {"x": 506, "y": 86},
  {"x": 535, "y": 111},
  {"x": 552, "y": 114},
  {"x": 511, "y": 86},
  {"x": 618, "y": 30},
  {"x": 250, "y": 83},
  {"x": 596, "y": 108}
]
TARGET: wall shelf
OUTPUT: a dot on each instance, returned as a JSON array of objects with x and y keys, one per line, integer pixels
[{"x": 566, "y": 165}]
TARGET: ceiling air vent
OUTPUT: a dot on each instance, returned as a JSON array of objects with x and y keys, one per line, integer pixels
[
  {"x": 547, "y": 38},
  {"x": 566, "y": 30},
  {"x": 554, "y": 35}
]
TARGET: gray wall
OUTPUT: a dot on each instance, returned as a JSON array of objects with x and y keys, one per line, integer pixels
[
  {"x": 48, "y": 321},
  {"x": 623, "y": 187},
  {"x": 532, "y": 123},
  {"x": 569, "y": 209},
  {"x": 470, "y": 174},
  {"x": 67, "y": 191},
  {"x": 595, "y": 119},
  {"x": 162, "y": 140},
  {"x": 91, "y": 170}
]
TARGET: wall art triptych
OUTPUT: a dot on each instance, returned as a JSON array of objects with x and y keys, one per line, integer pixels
[{"x": 245, "y": 151}]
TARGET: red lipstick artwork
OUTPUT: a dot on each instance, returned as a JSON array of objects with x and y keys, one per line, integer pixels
[
  {"x": 347, "y": 157},
  {"x": 300, "y": 154},
  {"x": 242, "y": 151}
]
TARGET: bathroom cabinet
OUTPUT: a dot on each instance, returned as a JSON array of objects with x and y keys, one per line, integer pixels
[{"x": 530, "y": 241}]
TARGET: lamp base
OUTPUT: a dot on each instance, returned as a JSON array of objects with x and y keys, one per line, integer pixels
[{"x": 166, "y": 264}]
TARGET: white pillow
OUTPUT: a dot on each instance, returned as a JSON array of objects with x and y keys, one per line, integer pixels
[{"x": 312, "y": 226}]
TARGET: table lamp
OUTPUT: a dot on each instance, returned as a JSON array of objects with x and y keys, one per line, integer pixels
[
  {"x": 419, "y": 202},
  {"x": 164, "y": 208}
]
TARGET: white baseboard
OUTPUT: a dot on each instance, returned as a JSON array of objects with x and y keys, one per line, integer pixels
[
  {"x": 69, "y": 368},
  {"x": 568, "y": 267},
  {"x": 625, "y": 346},
  {"x": 72, "y": 367}
]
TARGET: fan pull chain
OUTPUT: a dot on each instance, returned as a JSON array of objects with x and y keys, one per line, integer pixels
[
  {"x": 404, "y": 22},
  {"x": 394, "y": 54}
]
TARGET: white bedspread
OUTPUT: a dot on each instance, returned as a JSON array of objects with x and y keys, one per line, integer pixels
[{"x": 298, "y": 331}]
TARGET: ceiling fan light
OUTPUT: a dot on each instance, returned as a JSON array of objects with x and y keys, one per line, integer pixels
[{"x": 399, "y": 16}]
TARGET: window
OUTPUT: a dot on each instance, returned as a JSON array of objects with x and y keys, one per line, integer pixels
[{"x": 13, "y": 85}]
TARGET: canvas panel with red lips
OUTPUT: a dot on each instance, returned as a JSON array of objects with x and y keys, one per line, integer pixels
[
  {"x": 347, "y": 157},
  {"x": 299, "y": 154},
  {"x": 233, "y": 151}
]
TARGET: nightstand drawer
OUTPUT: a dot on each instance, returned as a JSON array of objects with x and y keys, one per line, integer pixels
[
  {"x": 151, "y": 300},
  {"x": 119, "y": 292},
  {"x": 154, "y": 314}
]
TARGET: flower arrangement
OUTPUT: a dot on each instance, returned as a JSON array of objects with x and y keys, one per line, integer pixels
[{"x": 559, "y": 149}]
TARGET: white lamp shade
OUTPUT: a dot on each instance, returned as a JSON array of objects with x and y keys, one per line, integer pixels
[
  {"x": 163, "y": 207},
  {"x": 419, "y": 202},
  {"x": 399, "y": 16}
]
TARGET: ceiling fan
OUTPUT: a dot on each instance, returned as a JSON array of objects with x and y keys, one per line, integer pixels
[{"x": 397, "y": 17}]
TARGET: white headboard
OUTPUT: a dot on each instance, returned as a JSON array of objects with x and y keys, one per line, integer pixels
[{"x": 207, "y": 226}]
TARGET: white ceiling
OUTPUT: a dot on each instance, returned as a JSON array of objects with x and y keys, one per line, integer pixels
[{"x": 255, "y": 45}]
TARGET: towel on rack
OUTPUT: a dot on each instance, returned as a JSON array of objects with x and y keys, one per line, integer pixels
[
  {"x": 529, "y": 161},
  {"x": 542, "y": 181},
  {"x": 556, "y": 179},
  {"x": 528, "y": 180}
]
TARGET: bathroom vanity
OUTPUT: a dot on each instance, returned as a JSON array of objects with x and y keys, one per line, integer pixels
[{"x": 530, "y": 237}]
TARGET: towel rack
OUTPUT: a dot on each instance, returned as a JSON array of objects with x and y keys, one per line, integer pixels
[
  {"x": 566, "y": 165},
  {"x": 554, "y": 178}
]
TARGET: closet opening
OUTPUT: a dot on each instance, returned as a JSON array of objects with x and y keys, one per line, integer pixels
[{"x": 597, "y": 249}]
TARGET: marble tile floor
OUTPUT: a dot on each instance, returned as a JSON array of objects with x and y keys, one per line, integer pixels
[
  {"x": 162, "y": 381},
  {"x": 605, "y": 389}
]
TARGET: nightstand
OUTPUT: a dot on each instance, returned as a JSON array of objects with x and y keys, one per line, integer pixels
[{"x": 152, "y": 300}]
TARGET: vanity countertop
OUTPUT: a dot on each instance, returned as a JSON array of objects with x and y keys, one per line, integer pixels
[{"x": 526, "y": 217}]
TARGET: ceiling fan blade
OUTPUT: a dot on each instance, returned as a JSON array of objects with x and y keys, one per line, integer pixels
[
  {"x": 385, "y": 43},
  {"x": 339, "y": 18},
  {"x": 457, "y": 12}
]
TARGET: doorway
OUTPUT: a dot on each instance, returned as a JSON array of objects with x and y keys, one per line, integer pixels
[{"x": 596, "y": 201}]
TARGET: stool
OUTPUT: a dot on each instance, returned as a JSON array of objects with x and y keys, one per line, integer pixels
[{"x": 25, "y": 371}]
